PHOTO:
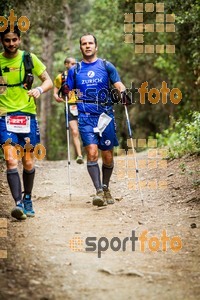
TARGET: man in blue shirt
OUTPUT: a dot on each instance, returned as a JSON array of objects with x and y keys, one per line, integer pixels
[{"x": 96, "y": 118}]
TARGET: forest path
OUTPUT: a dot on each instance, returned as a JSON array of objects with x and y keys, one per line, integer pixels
[{"x": 43, "y": 259}]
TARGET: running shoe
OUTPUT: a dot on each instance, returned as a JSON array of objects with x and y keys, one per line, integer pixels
[
  {"x": 18, "y": 211},
  {"x": 107, "y": 195},
  {"x": 79, "y": 160},
  {"x": 28, "y": 206},
  {"x": 98, "y": 199}
]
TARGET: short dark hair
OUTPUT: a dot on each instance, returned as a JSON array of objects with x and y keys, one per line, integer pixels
[
  {"x": 95, "y": 40},
  {"x": 68, "y": 60},
  {"x": 16, "y": 30}
]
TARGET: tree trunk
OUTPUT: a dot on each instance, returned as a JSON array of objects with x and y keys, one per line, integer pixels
[
  {"x": 67, "y": 22},
  {"x": 45, "y": 104}
]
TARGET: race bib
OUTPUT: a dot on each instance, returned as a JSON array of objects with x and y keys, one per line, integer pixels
[
  {"x": 73, "y": 110},
  {"x": 18, "y": 124},
  {"x": 103, "y": 122}
]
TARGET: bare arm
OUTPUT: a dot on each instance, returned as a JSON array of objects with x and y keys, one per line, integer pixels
[
  {"x": 46, "y": 85},
  {"x": 120, "y": 86},
  {"x": 55, "y": 94}
]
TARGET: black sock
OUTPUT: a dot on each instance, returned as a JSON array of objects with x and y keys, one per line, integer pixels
[
  {"x": 14, "y": 184},
  {"x": 106, "y": 173},
  {"x": 94, "y": 171},
  {"x": 28, "y": 179}
]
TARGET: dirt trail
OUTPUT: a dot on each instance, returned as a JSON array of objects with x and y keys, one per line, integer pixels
[{"x": 41, "y": 263}]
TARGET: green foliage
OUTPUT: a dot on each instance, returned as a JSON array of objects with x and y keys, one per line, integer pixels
[
  {"x": 67, "y": 20},
  {"x": 183, "y": 67},
  {"x": 57, "y": 144},
  {"x": 183, "y": 137},
  {"x": 182, "y": 166}
]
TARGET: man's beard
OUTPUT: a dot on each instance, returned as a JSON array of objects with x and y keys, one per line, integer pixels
[{"x": 12, "y": 50}]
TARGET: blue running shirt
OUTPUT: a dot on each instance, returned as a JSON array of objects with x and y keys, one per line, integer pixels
[{"x": 92, "y": 82}]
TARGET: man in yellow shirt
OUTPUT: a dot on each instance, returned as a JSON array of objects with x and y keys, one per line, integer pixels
[
  {"x": 18, "y": 121},
  {"x": 73, "y": 112}
]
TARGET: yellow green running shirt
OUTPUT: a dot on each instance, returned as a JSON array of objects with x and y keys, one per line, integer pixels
[{"x": 16, "y": 98}]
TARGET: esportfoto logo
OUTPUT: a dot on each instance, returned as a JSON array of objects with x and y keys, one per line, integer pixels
[
  {"x": 153, "y": 243},
  {"x": 134, "y": 22},
  {"x": 23, "y": 22},
  {"x": 3, "y": 234},
  {"x": 156, "y": 158}
]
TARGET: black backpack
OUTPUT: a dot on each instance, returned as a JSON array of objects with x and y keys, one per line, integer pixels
[
  {"x": 61, "y": 91},
  {"x": 28, "y": 77}
]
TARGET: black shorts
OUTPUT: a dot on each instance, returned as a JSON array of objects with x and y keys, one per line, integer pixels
[{"x": 72, "y": 117}]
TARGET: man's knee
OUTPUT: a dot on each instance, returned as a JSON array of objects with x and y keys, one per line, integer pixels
[
  {"x": 107, "y": 157},
  {"x": 11, "y": 163},
  {"x": 92, "y": 152},
  {"x": 75, "y": 133},
  {"x": 28, "y": 164}
]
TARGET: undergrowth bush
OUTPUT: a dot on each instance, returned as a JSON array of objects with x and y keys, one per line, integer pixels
[{"x": 183, "y": 137}]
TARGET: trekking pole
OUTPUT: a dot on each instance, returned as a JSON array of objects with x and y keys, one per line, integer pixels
[
  {"x": 68, "y": 145},
  {"x": 134, "y": 152}
]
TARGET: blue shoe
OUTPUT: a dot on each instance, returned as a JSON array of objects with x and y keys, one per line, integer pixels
[
  {"x": 28, "y": 206},
  {"x": 18, "y": 212}
]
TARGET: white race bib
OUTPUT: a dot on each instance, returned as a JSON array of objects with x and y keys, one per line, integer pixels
[
  {"x": 18, "y": 124},
  {"x": 103, "y": 122}
]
